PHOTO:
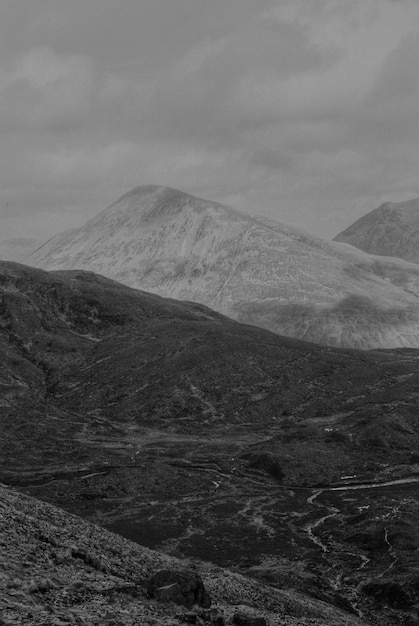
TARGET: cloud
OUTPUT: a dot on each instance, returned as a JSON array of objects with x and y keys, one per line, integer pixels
[
  {"x": 237, "y": 82},
  {"x": 45, "y": 90},
  {"x": 389, "y": 114},
  {"x": 304, "y": 111}
]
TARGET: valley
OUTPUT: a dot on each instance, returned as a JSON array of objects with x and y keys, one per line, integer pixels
[
  {"x": 209, "y": 313},
  {"x": 56, "y": 568},
  {"x": 187, "y": 432},
  {"x": 180, "y": 497}
]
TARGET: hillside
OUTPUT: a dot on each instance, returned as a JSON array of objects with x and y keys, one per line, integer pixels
[
  {"x": 57, "y": 569},
  {"x": 192, "y": 434},
  {"x": 255, "y": 270},
  {"x": 390, "y": 230}
]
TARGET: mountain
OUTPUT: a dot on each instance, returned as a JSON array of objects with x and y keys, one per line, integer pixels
[
  {"x": 207, "y": 439},
  {"x": 255, "y": 270},
  {"x": 390, "y": 230},
  {"x": 17, "y": 249},
  {"x": 57, "y": 569}
]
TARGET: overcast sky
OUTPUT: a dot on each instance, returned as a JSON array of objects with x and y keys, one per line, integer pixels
[{"x": 302, "y": 110}]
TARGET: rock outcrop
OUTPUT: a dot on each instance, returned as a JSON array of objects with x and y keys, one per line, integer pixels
[{"x": 182, "y": 587}]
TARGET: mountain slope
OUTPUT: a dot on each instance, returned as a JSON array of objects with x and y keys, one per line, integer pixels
[
  {"x": 57, "y": 569},
  {"x": 253, "y": 269},
  {"x": 390, "y": 230},
  {"x": 192, "y": 434}
]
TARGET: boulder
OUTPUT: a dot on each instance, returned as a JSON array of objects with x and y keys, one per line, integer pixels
[
  {"x": 169, "y": 593},
  {"x": 183, "y": 587}
]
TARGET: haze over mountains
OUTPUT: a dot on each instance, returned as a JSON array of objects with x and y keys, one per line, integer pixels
[
  {"x": 390, "y": 230},
  {"x": 255, "y": 270}
]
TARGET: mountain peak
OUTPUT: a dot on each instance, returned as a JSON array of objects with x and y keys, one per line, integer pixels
[
  {"x": 157, "y": 191},
  {"x": 390, "y": 230},
  {"x": 148, "y": 204},
  {"x": 159, "y": 194},
  {"x": 256, "y": 270}
]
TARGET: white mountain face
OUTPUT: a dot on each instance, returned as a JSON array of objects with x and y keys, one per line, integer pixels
[
  {"x": 256, "y": 270},
  {"x": 390, "y": 230}
]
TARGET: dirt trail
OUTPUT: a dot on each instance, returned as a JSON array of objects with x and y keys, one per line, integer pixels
[
  {"x": 310, "y": 527},
  {"x": 334, "y": 511}
]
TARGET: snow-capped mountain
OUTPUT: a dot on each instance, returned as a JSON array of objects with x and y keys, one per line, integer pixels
[
  {"x": 390, "y": 230},
  {"x": 253, "y": 269}
]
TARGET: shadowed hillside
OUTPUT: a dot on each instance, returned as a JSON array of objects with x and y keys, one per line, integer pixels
[
  {"x": 205, "y": 438},
  {"x": 57, "y": 569}
]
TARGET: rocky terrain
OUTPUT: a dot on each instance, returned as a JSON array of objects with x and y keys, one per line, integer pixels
[
  {"x": 390, "y": 230},
  {"x": 255, "y": 270},
  {"x": 208, "y": 439},
  {"x": 56, "y": 569}
]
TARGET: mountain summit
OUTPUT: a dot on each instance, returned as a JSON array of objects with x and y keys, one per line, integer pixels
[
  {"x": 254, "y": 269},
  {"x": 390, "y": 230}
]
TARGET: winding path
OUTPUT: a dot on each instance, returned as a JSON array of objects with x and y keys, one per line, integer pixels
[
  {"x": 309, "y": 528},
  {"x": 333, "y": 511}
]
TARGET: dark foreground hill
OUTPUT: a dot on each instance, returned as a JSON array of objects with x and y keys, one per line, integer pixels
[
  {"x": 390, "y": 230},
  {"x": 205, "y": 438},
  {"x": 57, "y": 569},
  {"x": 256, "y": 270}
]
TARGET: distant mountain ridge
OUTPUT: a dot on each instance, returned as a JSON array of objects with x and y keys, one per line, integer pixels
[
  {"x": 390, "y": 230},
  {"x": 253, "y": 269}
]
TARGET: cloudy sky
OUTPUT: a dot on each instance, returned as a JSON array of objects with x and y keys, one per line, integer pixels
[{"x": 303, "y": 110}]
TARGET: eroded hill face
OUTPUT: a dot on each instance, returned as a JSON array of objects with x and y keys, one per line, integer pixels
[
  {"x": 253, "y": 269},
  {"x": 205, "y": 438},
  {"x": 390, "y": 230}
]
